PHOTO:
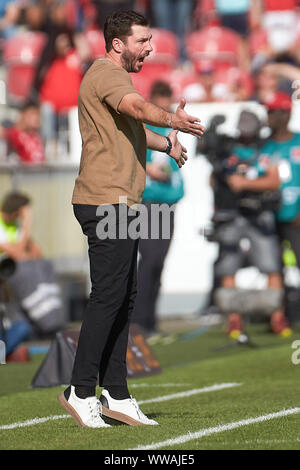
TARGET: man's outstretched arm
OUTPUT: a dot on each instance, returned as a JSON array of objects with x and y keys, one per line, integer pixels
[{"x": 135, "y": 106}]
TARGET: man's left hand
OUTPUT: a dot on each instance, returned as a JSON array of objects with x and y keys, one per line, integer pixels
[{"x": 178, "y": 152}]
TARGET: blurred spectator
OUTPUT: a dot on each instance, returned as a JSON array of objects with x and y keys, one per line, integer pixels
[
  {"x": 283, "y": 148},
  {"x": 231, "y": 84},
  {"x": 204, "y": 14},
  {"x": 164, "y": 185},
  {"x": 273, "y": 76},
  {"x": 234, "y": 15},
  {"x": 241, "y": 16},
  {"x": 286, "y": 75},
  {"x": 33, "y": 285},
  {"x": 15, "y": 246},
  {"x": 280, "y": 20},
  {"x": 24, "y": 137},
  {"x": 265, "y": 83},
  {"x": 175, "y": 16},
  {"x": 56, "y": 85},
  {"x": 105, "y": 8},
  {"x": 10, "y": 12},
  {"x": 203, "y": 90},
  {"x": 46, "y": 15}
]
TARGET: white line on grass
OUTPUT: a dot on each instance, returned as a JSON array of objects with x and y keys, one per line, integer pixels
[
  {"x": 33, "y": 421},
  {"x": 187, "y": 393},
  {"x": 144, "y": 385},
  {"x": 217, "y": 429}
]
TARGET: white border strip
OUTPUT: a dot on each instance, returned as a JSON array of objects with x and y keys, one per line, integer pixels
[
  {"x": 217, "y": 429},
  {"x": 187, "y": 393}
]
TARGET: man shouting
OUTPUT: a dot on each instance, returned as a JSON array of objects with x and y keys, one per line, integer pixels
[{"x": 114, "y": 141}]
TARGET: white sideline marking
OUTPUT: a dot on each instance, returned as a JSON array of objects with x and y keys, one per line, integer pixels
[
  {"x": 217, "y": 429},
  {"x": 33, "y": 421},
  {"x": 187, "y": 393},
  {"x": 142, "y": 385}
]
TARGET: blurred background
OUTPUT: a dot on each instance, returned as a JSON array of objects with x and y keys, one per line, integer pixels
[{"x": 224, "y": 58}]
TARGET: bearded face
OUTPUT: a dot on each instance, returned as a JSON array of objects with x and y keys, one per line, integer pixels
[
  {"x": 136, "y": 48},
  {"x": 132, "y": 62}
]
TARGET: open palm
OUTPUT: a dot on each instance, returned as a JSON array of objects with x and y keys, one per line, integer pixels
[{"x": 178, "y": 152}]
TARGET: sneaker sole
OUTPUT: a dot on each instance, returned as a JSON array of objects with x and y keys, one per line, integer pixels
[
  {"x": 121, "y": 417},
  {"x": 62, "y": 400}
]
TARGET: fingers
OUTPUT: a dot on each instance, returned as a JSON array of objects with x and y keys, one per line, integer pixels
[
  {"x": 196, "y": 125},
  {"x": 197, "y": 134},
  {"x": 183, "y": 158},
  {"x": 182, "y": 103}
]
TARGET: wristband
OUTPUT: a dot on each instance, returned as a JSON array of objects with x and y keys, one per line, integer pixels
[{"x": 169, "y": 146}]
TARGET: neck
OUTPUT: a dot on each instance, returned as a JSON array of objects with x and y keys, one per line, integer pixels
[
  {"x": 113, "y": 58},
  {"x": 282, "y": 135}
]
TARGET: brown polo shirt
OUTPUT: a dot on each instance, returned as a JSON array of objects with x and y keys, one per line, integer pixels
[{"x": 113, "y": 158}]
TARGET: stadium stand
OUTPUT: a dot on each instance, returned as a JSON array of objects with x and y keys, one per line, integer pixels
[
  {"x": 20, "y": 55},
  {"x": 215, "y": 43},
  {"x": 95, "y": 40},
  {"x": 161, "y": 63}
]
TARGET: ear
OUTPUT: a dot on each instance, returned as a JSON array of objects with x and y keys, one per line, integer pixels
[{"x": 117, "y": 45}]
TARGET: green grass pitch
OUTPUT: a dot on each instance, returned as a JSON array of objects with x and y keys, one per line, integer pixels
[{"x": 269, "y": 383}]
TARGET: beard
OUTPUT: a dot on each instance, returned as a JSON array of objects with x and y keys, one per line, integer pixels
[{"x": 131, "y": 62}]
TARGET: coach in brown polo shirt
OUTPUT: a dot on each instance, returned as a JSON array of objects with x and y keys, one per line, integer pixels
[{"x": 114, "y": 141}]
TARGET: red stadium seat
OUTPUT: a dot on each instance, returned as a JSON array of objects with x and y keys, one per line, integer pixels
[
  {"x": 215, "y": 43},
  {"x": 258, "y": 41},
  {"x": 179, "y": 80},
  {"x": 233, "y": 76},
  {"x": 147, "y": 76},
  {"x": 20, "y": 56},
  {"x": 165, "y": 49},
  {"x": 142, "y": 83},
  {"x": 96, "y": 42}
]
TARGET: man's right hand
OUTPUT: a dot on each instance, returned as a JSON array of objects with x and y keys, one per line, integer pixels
[{"x": 183, "y": 122}]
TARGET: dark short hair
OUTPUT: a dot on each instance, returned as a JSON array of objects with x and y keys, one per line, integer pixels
[
  {"x": 118, "y": 25},
  {"x": 13, "y": 201},
  {"x": 161, "y": 88},
  {"x": 29, "y": 105}
]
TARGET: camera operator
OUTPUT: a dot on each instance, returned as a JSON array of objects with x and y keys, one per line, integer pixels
[{"x": 246, "y": 190}]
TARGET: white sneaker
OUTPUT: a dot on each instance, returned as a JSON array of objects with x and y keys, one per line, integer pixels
[
  {"x": 86, "y": 411},
  {"x": 127, "y": 411}
]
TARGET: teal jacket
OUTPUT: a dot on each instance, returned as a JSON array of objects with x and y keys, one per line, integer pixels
[
  {"x": 287, "y": 156},
  {"x": 170, "y": 191}
]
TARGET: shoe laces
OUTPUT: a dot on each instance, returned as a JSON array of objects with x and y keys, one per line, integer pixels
[
  {"x": 95, "y": 408},
  {"x": 138, "y": 410}
]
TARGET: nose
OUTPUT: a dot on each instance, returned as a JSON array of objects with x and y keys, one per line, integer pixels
[{"x": 149, "y": 47}]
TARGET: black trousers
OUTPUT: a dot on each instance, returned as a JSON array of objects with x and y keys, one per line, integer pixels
[
  {"x": 103, "y": 337},
  {"x": 153, "y": 253}
]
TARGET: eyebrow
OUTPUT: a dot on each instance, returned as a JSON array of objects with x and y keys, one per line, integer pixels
[{"x": 144, "y": 39}]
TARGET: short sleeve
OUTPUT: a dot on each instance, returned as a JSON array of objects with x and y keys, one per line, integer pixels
[{"x": 115, "y": 85}]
